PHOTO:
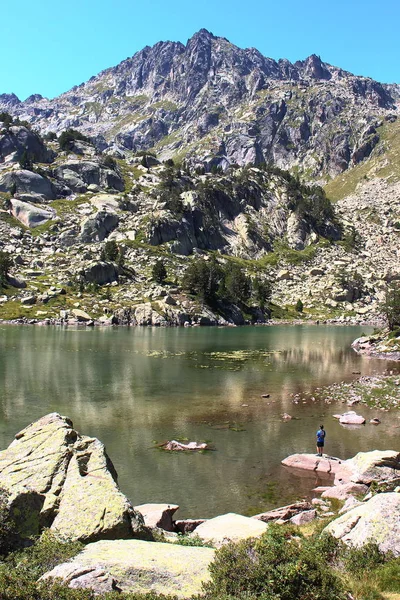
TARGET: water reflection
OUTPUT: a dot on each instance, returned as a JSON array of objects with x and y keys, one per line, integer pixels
[{"x": 133, "y": 387}]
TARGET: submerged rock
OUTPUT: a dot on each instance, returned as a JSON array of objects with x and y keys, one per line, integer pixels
[
  {"x": 76, "y": 477},
  {"x": 133, "y": 566}
]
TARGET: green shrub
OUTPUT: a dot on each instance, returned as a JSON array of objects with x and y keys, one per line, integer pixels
[
  {"x": 6, "y": 119},
  {"x": 299, "y": 306},
  {"x": 159, "y": 272},
  {"x": 277, "y": 566},
  {"x": 203, "y": 278},
  {"x": 70, "y": 135},
  {"x": 391, "y": 305},
  {"x": 110, "y": 251},
  {"x": 8, "y": 527},
  {"x": 44, "y": 555},
  {"x": 5, "y": 266}
]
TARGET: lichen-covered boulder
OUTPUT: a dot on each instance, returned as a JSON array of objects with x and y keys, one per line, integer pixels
[
  {"x": 229, "y": 527},
  {"x": 377, "y": 521},
  {"x": 134, "y": 566},
  {"x": 82, "y": 500},
  {"x": 365, "y": 467}
]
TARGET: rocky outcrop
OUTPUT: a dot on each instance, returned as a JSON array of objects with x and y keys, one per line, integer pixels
[
  {"x": 229, "y": 528},
  {"x": 75, "y": 476},
  {"x": 78, "y": 175},
  {"x": 284, "y": 513},
  {"x": 133, "y": 566},
  {"x": 376, "y": 521},
  {"x": 344, "y": 491},
  {"x": 365, "y": 467}
]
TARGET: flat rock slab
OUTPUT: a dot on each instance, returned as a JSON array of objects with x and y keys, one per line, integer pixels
[
  {"x": 310, "y": 462},
  {"x": 158, "y": 515},
  {"x": 135, "y": 566},
  {"x": 377, "y": 521},
  {"x": 229, "y": 528}
]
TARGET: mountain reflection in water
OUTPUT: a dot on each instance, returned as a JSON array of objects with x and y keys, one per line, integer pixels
[{"x": 131, "y": 387}]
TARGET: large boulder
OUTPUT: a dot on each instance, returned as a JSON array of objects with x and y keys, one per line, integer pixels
[
  {"x": 18, "y": 139},
  {"x": 377, "y": 521},
  {"x": 365, "y": 467},
  {"x": 30, "y": 215},
  {"x": 229, "y": 528},
  {"x": 134, "y": 566},
  {"x": 77, "y": 478},
  {"x": 100, "y": 272},
  {"x": 23, "y": 182},
  {"x": 79, "y": 174},
  {"x": 97, "y": 228}
]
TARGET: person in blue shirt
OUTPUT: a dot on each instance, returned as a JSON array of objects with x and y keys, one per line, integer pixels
[{"x": 321, "y": 434}]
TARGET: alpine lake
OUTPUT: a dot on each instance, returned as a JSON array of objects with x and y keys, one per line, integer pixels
[{"x": 135, "y": 387}]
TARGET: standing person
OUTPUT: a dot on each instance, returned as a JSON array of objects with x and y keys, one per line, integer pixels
[{"x": 321, "y": 434}]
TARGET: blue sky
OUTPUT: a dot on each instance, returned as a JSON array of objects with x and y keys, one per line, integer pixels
[{"x": 47, "y": 46}]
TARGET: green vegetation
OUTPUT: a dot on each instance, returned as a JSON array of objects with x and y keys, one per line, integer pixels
[
  {"x": 159, "y": 272},
  {"x": 6, "y": 119},
  {"x": 286, "y": 563},
  {"x": 299, "y": 306},
  {"x": 68, "y": 136},
  {"x": 5, "y": 266},
  {"x": 391, "y": 306},
  {"x": 211, "y": 282},
  {"x": 280, "y": 565}
]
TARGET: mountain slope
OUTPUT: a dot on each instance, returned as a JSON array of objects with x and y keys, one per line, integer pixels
[{"x": 215, "y": 104}]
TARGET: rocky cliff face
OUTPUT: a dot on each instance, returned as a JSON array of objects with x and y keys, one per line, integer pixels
[{"x": 217, "y": 104}]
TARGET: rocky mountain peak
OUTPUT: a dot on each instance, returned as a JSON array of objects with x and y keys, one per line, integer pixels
[{"x": 216, "y": 104}]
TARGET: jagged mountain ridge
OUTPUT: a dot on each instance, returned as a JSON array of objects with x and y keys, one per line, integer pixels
[{"x": 215, "y": 104}]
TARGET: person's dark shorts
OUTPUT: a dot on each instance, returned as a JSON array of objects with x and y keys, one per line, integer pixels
[{"x": 320, "y": 444}]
